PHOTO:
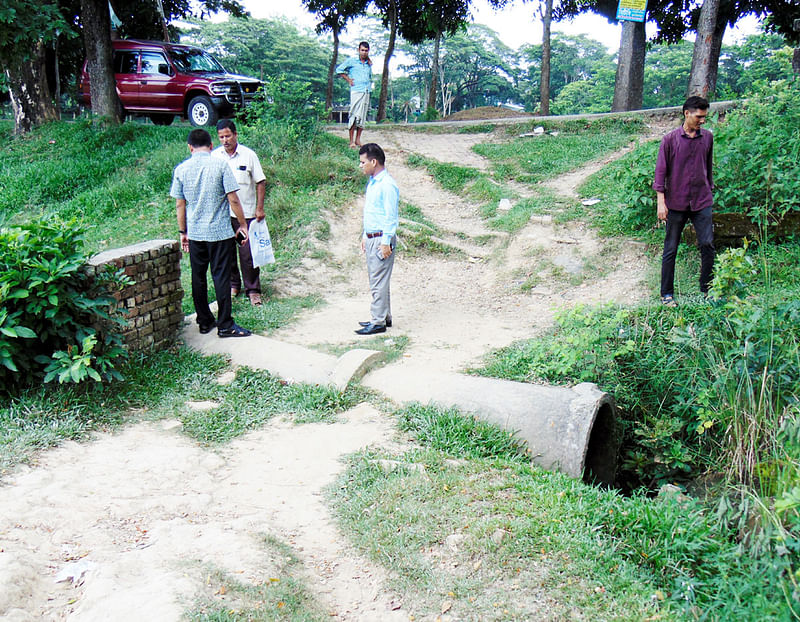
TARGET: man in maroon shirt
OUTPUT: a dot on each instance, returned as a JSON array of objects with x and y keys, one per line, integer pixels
[{"x": 683, "y": 185}]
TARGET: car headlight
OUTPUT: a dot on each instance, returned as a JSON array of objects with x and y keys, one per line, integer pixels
[{"x": 220, "y": 89}]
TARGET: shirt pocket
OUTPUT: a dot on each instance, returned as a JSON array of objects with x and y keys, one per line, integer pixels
[{"x": 242, "y": 176}]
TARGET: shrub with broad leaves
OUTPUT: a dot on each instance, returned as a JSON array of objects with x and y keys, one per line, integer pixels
[{"x": 57, "y": 320}]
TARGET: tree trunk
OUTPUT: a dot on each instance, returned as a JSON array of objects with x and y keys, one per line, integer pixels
[
  {"x": 707, "y": 46},
  {"x": 435, "y": 72},
  {"x": 97, "y": 39},
  {"x": 544, "y": 86},
  {"x": 331, "y": 69},
  {"x": 31, "y": 99},
  {"x": 629, "y": 85},
  {"x": 392, "y": 13},
  {"x": 58, "y": 79}
]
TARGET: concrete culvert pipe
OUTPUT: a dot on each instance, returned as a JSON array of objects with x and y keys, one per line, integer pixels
[{"x": 572, "y": 430}]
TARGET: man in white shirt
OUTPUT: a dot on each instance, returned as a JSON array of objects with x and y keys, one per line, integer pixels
[{"x": 252, "y": 190}]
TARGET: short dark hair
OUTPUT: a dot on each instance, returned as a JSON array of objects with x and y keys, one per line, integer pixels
[
  {"x": 226, "y": 124},
  {"x": 199, "y": 138},
  {"x": 695, "y": 103},
  {"x": 373, "y": 151},
  {"x": 363, "y": 44}
]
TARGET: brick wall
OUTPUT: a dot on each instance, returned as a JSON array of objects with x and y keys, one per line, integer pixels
[{"x": 152, "y": 304}]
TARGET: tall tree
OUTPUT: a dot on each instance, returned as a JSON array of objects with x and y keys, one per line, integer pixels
[
  {"x": 670, "y": 17},
  {"x": 629, "y": 85},
  {"x": 426, "y": 19},
  {"x": 710, "y": 23},
  {"x": 390, "y": 15},
  {"x": 25, "y": 27},
  {"x": 572, "y": 58},
  {"x": 546, "y": 13},
  {"x": 96, "y": 21},
  {"x": 333, "y": 15},
  {"x": 707, "y": 46}
]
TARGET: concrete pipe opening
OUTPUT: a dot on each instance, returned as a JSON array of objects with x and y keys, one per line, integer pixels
[
  {"x": 568, "y": 429},
  {"x": 600, "y": 462}
]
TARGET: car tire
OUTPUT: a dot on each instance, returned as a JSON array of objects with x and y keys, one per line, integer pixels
[
  {"x": 162, "y": 119},
  {"x": 202, "y": 112}
]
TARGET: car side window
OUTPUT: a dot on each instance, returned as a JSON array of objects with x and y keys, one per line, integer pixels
[
  {"x": 154, "y": 63},
  {"x": 125, "y": 61}
]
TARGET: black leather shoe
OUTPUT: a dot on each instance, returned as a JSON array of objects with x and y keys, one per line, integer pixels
[
  {"x": 388, "y": 323},
  {"x": 371, "y": 329},
  {"x": 204, "y": 330}
]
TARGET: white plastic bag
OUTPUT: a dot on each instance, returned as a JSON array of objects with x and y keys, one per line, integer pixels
[{"x": 260, "y": 243}]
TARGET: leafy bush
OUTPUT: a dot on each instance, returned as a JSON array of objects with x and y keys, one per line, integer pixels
[
  {"x": 698, "y": 388},
  {"x": 757, "y": 153},
  {"x": 287, "y": 102},
  {"x": 56, "y": 321},
  {"x": 756, "y": 158}
]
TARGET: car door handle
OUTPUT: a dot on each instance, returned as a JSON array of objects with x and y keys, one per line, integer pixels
[{"x": 143, "y": 82}]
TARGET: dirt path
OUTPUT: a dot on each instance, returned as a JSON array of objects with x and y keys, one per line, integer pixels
[
  {"x": 455, "y": 310},
  {"x": 160, "y": 513}
]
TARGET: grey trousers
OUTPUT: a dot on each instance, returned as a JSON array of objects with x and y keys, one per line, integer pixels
[{"x": 380, "y": 273}]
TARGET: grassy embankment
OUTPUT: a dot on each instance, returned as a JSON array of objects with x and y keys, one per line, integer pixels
[
  {"x": 708, "y": 401},
  {"x": 114, "y": 183},
  {"x": 563, "y": 147},
  {"x": 470, "y": 530}
]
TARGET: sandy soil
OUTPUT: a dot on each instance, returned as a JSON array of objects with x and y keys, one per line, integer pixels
[{"x": 159, "y": 512}]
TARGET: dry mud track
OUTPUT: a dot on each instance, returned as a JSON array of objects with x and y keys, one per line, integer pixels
[{"x": 145, "y": 517}]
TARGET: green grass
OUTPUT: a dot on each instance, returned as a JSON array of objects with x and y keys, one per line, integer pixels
[
  {"x": 255, "y": 397},
  {"x": 545, "y": 202},
  {"x": 283, "y": 596},
  {"x": 156, "y": 386},
  {"x": 451, "y": 177},
  {"x": 421, "y": 236},
  {"x": 412, "y": 213},
  {"x": 115, "y": 182},
  {"x": 533, "y": 159},
  {"x": 274, "y": 313},
  {"x": 392, "y": 347},
  {"x": 466, "y": 520}
]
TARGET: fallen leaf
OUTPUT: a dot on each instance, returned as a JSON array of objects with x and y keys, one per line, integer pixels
[{"x": 446, "y": 606}]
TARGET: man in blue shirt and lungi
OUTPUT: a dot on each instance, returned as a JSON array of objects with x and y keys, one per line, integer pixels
[
  {"x": 358, "y": 73},
  {"x": 379, "y": 236}
]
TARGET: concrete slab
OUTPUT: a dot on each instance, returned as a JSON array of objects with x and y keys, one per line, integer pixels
[{"x": 291, "y": 362}]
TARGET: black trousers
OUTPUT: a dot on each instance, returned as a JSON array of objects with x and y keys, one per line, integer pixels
[
  {"x": 704, "y": 228},
  {"x": 219, "y": 256}
]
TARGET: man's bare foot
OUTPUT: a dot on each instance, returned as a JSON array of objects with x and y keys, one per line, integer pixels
[
  {"x": 358, "y": 144},
  {"x": 354, "y": 145}
]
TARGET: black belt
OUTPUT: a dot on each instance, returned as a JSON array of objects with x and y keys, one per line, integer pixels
[{"x": 376, "y": 234}]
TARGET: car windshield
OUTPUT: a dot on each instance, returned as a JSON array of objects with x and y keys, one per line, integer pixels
[{"x": 195, "y": 60}]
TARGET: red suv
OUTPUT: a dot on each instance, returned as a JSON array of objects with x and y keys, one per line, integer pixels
[{"x": 162, "y": 79}]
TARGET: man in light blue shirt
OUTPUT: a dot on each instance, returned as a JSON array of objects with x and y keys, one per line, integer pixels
[
  {"x": 379, "y": 236},
  {"x": 358, "y": 74}
]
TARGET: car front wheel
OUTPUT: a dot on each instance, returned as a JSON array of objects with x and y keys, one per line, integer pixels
[{"x": 202, "y": 112}]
